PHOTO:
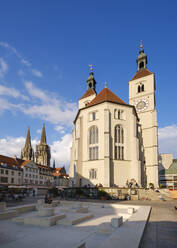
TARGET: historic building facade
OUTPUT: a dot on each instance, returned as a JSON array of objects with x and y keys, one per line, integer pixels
[
  {"x": 114, "y": 142},
  {"x": 42, "y": 155}
]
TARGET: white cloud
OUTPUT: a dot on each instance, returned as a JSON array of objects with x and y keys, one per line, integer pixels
[
  {"x": 60, "y": 150},
  {"x": 5, "y": 105},
  {"x": 168, "y": 139},
  {"x": 36, "y": 73},
  {"x": 60, "y": 129},
  {"x": 3, "y": 67},
  {"x": 51, "y": 108},
  {"x": 11, "y": 92},
  {"x": 44, "y": 105},
  {"x": 25, "y": 62},
  {"x": 36, "y": 92},
  {"x": 12, "y": 49},
  {"x": 11, "y": 146}
]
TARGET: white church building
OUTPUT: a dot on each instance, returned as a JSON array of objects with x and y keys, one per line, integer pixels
[{"x": 114, "y": 141}]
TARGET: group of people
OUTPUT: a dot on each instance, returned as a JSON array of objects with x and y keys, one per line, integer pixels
[{"x": 131, "y": 184}]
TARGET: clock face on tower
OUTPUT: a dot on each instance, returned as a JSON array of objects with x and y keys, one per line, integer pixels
[{"x": 141, "y": 105}]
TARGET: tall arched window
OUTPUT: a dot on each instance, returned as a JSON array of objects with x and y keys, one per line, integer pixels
[
  {"x": 119, "y": 142},
  {"x": 141, "y": 65},
  {"x": 93, "y": 143},
  {"x": 142, "y": 87}
]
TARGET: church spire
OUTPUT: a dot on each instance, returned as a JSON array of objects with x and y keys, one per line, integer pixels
[
  {"x": 43, "y": 136},
  {"x": 28, "y": 138},
  {"x": 91, "y": 80},
  {"x": 27, "y": 152},
  {"x": 142, "y": 58}
]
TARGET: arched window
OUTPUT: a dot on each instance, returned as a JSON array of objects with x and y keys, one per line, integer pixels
[
  {"x": 119, "y": 142},
  {"x": 139, "y": 89},
  {"x": 119, "y": 115},
  {"x": 93, "y": 143},
  {"x": 141, "y": 65},
  {"x": 142, "y": 87}
]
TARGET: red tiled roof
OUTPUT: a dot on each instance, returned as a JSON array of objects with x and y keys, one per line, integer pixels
[
  {"x": 11, "y": 161},
  {"x": 89, "y": 92},
  {"x": 142, "y": 73},
  {"x": 25, "y": 162},
  {"x": 18, "y": 162},
  {"x": 106, "y": 95},
  {"x": 60, "y": 172}
]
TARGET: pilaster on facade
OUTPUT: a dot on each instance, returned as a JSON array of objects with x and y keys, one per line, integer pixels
[{"x": 107, "y": 148}]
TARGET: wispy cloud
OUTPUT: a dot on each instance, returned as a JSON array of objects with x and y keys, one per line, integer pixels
[
  {"x": 50, "y": 107},
  {"x": 3, "y": 67},
  {"x": 14, "y": 50},
  {"x": 24, "y": 61},
  {"x": 36, "y": 92},
  {"x": 36, "y": 73},
  {"x": 60, "y": 129},
  {"x": 5, "y": 91}
]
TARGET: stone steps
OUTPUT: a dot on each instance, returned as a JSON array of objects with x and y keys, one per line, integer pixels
[
  {"x": 39, "y": 221},
  {"x": 74, "y": 219}
]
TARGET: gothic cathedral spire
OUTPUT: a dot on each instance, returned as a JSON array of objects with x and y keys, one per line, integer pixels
[
  {"x": 43, "y": 136},
  {"x": 27, "y": 152},
  {"x": 43, "y": 154}
]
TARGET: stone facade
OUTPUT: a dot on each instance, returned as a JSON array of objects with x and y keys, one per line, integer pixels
[{"x": 113, "y": 141}]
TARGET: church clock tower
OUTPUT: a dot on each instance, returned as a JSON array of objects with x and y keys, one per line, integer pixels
[{"x": 142, "y": 96}]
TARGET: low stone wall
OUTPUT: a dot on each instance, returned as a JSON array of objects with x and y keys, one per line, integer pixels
[{"x": 137, "y": 194}]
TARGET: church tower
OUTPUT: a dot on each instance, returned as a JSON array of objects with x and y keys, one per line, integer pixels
[
  {"x": 43, "y": 150},
  {"x": 27, "y": 152},
  {"x": 142, "y": 96}
]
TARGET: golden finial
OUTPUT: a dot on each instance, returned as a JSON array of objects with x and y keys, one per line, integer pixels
[
  {"x": 91, "y": 67},
  {"x": 141, "y": 45}
]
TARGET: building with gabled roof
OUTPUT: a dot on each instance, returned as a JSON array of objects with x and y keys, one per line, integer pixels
[{"x": 114, "y": 142}]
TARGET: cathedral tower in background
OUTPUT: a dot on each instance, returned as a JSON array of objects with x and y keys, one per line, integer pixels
[
  {"x": 42, "y": 153},
  {"x": 27, "y": 152}
]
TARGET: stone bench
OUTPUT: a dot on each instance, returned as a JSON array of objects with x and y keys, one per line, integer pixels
[
  {"x": 2, "y": 207},
  {"x": 43, "y": 221},
  {"x": 8, "y": 214},
  {"x": 46, "y": 211}
]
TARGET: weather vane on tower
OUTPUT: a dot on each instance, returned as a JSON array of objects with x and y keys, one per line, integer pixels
[{"x": 91, "y": 67}]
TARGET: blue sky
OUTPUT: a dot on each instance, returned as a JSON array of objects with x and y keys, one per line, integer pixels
[{"x": 45, "y": 50}]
